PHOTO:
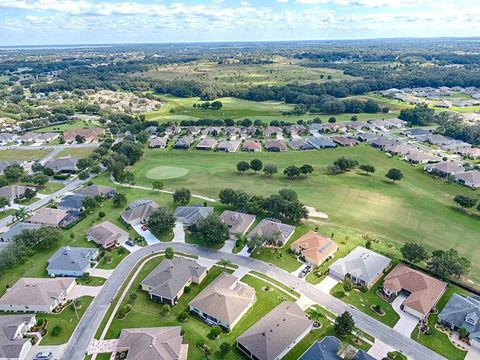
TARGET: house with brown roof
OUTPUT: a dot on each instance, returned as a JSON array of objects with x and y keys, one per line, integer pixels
[
  {"x": 158, "y": 143},
  {"x": 420, "y": 157},
  {"x": 139, "y": 214},
  {"x": 223, "y": 302},
  {"x": 271, "y": 131},
  {"x": 161, "y": 343},
  {"x": 51, "y": 217},
  {"x": 272, "y": 232},
  {"x": 206, "y": 144},
  {"x": 106, "y": 192},
  {"x": 36, "y": 295},
  {"x": 107, "y": 235},
  {"x": 314, "y": 247},
  {"x": 275, "y": 146},
  {"x": 228, "y": 146},
  {"x": 445, "y": 168},
  {"x": 89, "y": 135},
  {"x": 14, "y": 192},
  {"x": 273, "y": 336},
  {"x": 251, "y": 146},
  {"x": 469, "y": 178},
  {"x": 344, "y": 141},
  {"x": 469, "y": 152},
  {"x": 183, "y": 143},
  {"x": 238, "y": 223},
  {"x": 421, "y": 290}
]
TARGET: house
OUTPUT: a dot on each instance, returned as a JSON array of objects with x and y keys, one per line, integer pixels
[
  {"x": 463, "y": 312},
  {"x": 275, "y": 146},
  {"x": 238, "y": 223},
  {"x": 398, "y": 123},
  {"x": 89, "y": 135},
  {"x": 13, "y": 343},
  {"x": 51, "y": 217},
  {"x": 400, "y": 149},
  {"x": 455, "y": 145},
  {"x": 364, "y": 137},
  {"x": 152, "y": 130},
  {"x": 6, "y": 163},
  {"x": 14, "y": 192},
  {"x": 105, "y": 192},
  {"x": 173, "y": 130},
  {"x": 251, "y": 146},
  {"x": 72, "y": 203},
  {"x": 444, "y": 104},
  {"x": 139, "y": 214},
  {"x": 191, "y": 215},
  {"x": 36, "y": 295},
  {"x": 362, "y": 266},
  {"x": 436, "y": 139},
  {"x": 5, "y": 138},
  {"x": 469, "y": 178},
  {"x": 332, "y": 348},
  {"x": 272, "y": 231},
  {"x": 63, "y": 164},
  {"x": 470, "y": 152},
  {"x": 192, "y": 130},
  {"x": 445, "y": 168},
  {"x": 167, "y": 282},
  {"x": 417, "y": 132},
  {"x": 321, "y": 142},
  {"x": 300, "y": 144},
  {"x": 26, "y": 138},
  {"x": 212, "y": 130},
  {"x": 271, "y": 131},
  {"x": 223, "y": 302},
  {"x": 206, "y": 144},
  {"x": 273, "y": 336},
  {"x": 344, "y": 141},
  {"x": 228, "y": 146},
  {"x": 420, "y": 157},
  {"x": 294, "y": 129},
  {"x": 107, "y": 235},
  {"x": 314, "y": 247},
  {"x": 183, "y": 143},
  {"x": 161, "y": 343},
  {"x": 382, "y": 141},
  {"x": 46, "y": 137},
  {"x": 71, "y": 261},
  {"x": 17, "y": 229},
  {"x": 158, "y": 143},
  {"x": 422, "y": 291}
]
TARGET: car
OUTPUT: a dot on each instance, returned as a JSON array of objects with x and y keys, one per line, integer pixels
[
  {"x": 130, "y": 243},
  {"x": 144, "y": 228},
  {"x": 44, "y": 355},
  {"x": 302, "y": 275}
]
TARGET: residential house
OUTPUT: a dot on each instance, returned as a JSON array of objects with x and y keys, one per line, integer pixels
[
  {"x": 362, "y": 266},
  {"x": 158, "y": 143},
  {"x": 333, "y": 128},
  {"x": 46, "y": 137},
  {"x": 152, "y": 130},
  {"x": 273, "y": 336},
  {"x": 160, "y": 343},
  {"x": 107, "y": 235},
  {"x": 315, "y": 248},
  {"x": 463, "y": 312},
  {"x": 223, "y": 302},
  {"x": 382, "y": 141},
  {"x": 238, "y": 223},
  {"x": 445, "y": 168},
  {"x": 455, "y": 145},
  {"x": 191, "y": 215},
  {"x": 295, "y": 129},
  {"x": 71, "y": 261},
  {"x": 192, "y": 130},
  {"x": 275, "y": 146},
  {"x": 417, "y": 132},
  {"x": 89, "y": 135},
  {"x": 469, "y": 178},
  {"x": 366, "y": 137},
  {"x": 332, "y": 348},
  {"x": 183, "y": 143},
  {"x": 26, "y": 138},
  {"x": 400, "y": 149},
  {"x": 206, "y": 144},
  {"x": 344, "y": 141},
  {"x": 444, "y": 104},
  {"x": 36, "y": 295},
  {"x": 51, "y": 217},
  {"x": 272, "y": 131},
  {"x": 139, "y": 214},
  {"x": 300, "y": 144},
  {"x": 72, "y": 203},
  {"x": 231, "y": 130},
  {"x": 420, "y": 157},
  {"x": 321, "y": 142},
  {"x": 228, "y": 146},
  {"x": 251, "y": 146},
  {"x": 6, "y": 138},
  {"x": 63, "y": 164},
  {"x": 422, "y": 291},
  {"x": 167, "y": 282},
  {"x": 173, "y": 130},
  {"x": 436, "y": 139},
  {"x": 13, "y": 343},
  {"x": 17, "y": 229},
  {"x": 272, "y": 231},
  {"x": 469, "y": 152},
  {"x": 14, "y": 192},
  {"x": 212, "y": 130},
  {"x": 6, "y": 163},
  {"x": 105, "y": 192}
]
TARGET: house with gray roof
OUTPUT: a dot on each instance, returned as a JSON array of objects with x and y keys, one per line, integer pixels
[
  {"x": 158, "y": 143},
  {"x": 331, "y": 348},
  {"x": 463, "y": 312},
  {"x": 51, "y": 217},
  {"x": 139, "y": 214},
  {"x": 64, "y": 164},
  {"x": 71, "y": 261},
  {"x": 17, "y": 229},
  {"x": 321, "y": 142},
  {"x": 445, "y": 168},
  {"x": 5, "y": 138},
  {"x": 167, "y": 282},
  {"x": 228, "y": 146},
  {"x": 106, "y": 192},
  {"x": 72, "y": 203},
  {"x": 206, "y": 144},
  {"x": 238, "y": 223},
  {"x": 275, "y": 146},
  {"x": 107, "y": 235},
  {"x": 362, "y": 266},
  {"x": 13, "y": 343},
  {"x": 272, "y": 232},
  {"x": 300, "y": 144},
  {"x": 14, "y": 192},
  {"x": 183, "y": 143},
  {"x": 191, "y": 215},
  {"x": 6, "y": 163},
  {"x": 276, "y": 333}
]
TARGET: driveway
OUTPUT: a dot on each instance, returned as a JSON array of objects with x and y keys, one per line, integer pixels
[
  {"x": 131, "y": 249},
  {"x": 82, "y": 290},
  {"x": 473, "y": 354},
  {"x": 241, "y": 272},
  {"x": 299, "y": 270},
  {"x": 208, "y": 263},
  {"x": 244, "y": 252},
  {"x": 150, "y": 239},
  {"x": 102, "y": 346},
  {"x": 407, "y": 322},
  {"x": 103, "y": 273},
  {"x": 178, "y": 232},
  {"x": 228, "y": 246},
  {"x": 327, "y": 284},
  {"x": 379, "y": 349},
  {"x": 56, "y": 350}
]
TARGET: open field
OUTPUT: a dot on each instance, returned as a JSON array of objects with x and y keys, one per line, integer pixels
[
  {"x": 22, "y": 155},
  {"x": 281, "y": 71},
  {"x": 419, "y": 208},
  {"x": 77, "y": 124},
  {"x": 75, "y": 152}
]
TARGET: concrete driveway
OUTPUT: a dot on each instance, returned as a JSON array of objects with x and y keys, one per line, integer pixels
[
  {"x": 82, "y": 290},
  {"x": 179, "y": 232},
  {"x": 379, "y": 349},
  {"x": 103, "y": 273},
  {"x": 299, "y": 270},
  {"x": 407, "y": 322},
  {"x": 56, "y": 350},
  {"x": 241, "y": 272},
  {"x": 131, "y": 248},
  {"x": 327, "y": 284},
  {"x": 150, "y": 239},
  {"x": 473, "y": 354},
  {"x": 244, "y": 252}
]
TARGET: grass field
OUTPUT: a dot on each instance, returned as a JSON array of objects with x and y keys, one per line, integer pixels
[
  {"x": 166, "y": 172},
  {"x": 75, "y": 152},
  {"x": 419, "y": 208},
  {"x": 77, "y": 124},
  {"x": 22, "y": 155}
]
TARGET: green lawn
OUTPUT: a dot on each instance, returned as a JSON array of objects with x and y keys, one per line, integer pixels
[
  {"x": 50, "y": 188},
  {"x": 77, "y": 124},
  {"x": 278, "y": 283},
  {"x": 5, "y": 213},
  {"x": 439, "y": 341},
  {"x": 22, "y": 155},
  {"x": 418, "y": 208},
  {"x": 67, "y": 320},
  {"x": 75, "y": 152},
  {"x": 92, "y": 281}
]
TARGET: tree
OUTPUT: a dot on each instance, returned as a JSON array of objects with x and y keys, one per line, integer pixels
[
  {"x": 13, "y": 172},
  {"x": 256, "y": 165},
  {"x": 344, "y": 324},
  {"x": 215, "y": 332},
  {"x": 332, "y": 120},
  {"x": 4, "y": 202},
  {"x": 414, "y": 253},
  {"x": 227, "y": 196},
  {"x": 347, "y": 284},
  {"x": 89, "y": 203},
  {"x": 161, "y": 220},
  {"x": 101, "y": 214},
  {"x": 213, "y": 231},
  {"x": 182, "y": 196},
  {"x": 157, "y": 185},
  {"x": 225, "y": 347},
  {"x": 119, "y": 200},
  {"x": 169, "y": 253},
  {"x": 40, "y": 179},
  {"x": 20, "y": 214},
  {"x": 334, "y": 170},
  {"x": 368, "y": 169},
  {"x": 29, "y": 193},
  {"x": 465, "y": 202},
  {"x": 79, "y": 139},
  {"x": 270, "y": 170},
  {"x": 462, "y": 333},
  {"x": 84, "y": 163},
  {"x": 288, "y": 194},
  {"x": 448, "y": 263},
  {"x": 292, "y": 171},
  {"x": 57, "y": 330},
  {"x": 243, "y": 166},
  {"x": 394, "y": 175},
  {"x": 165, "y": 310},
  {"x": 371, "y": 107},
  {"x": 345, "y": 164},
  {"x": 83, "y": 175},
  {"x": 306, "y": 169}
]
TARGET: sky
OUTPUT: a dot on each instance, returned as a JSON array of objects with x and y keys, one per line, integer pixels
[{"x": 52, "y": 22}]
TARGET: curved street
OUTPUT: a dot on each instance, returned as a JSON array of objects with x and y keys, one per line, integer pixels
[{"x": 92, "y": 318}]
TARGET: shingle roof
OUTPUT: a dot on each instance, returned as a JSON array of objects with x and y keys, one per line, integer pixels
[
  {"x": 10, "y": 346},
  {"x": 48, "y": 216},
  {"x": 95, "y": 190},
  {"x": 65, "y": 163},
  {"x": 447, "y": 167},
  {"x": 251, "y": 145},
  {"x": 207, "y": 143},
  {"x": 458, "y": 309},
  {"x": 275, "y": 144},
  {"x": 315, "y": 246},
  {"x": 471, "y": 177},
  {"x": 138, "y": 213},
  {"x": 328, "y": 348},
  {"x": 17, "y": 228},
  {"x": 190, "y": 215},
  {"x": 13, "y": 191},
  {"x": 271, "y": 229},
  {"x": 276, "y": 331},
  {"x": 300, "y": 144},
  {"x": 73, "y": 202},
  {"x": 106, "y": 233},
  {"x": 71, "y": 259},
  {"x": 237, "y": 222},
  {"x": 230, "y": 145}
]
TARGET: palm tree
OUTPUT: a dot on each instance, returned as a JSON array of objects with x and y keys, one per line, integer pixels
[{"x": 21, "y": 214}]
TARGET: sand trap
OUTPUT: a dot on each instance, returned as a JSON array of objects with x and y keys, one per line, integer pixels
[{"x": 313, "y": 213}]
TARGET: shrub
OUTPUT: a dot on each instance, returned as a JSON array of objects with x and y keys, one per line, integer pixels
[{"x": 57, "y": 330}]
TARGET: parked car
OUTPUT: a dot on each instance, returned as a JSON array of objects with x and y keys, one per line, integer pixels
[
  {"x": 130, "y": 243},
  {"x": 44, "y": 355}
]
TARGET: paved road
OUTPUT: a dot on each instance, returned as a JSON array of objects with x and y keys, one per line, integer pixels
[
  {"x": 93, "y": 316},
  {"x": 47, "y": 146}
]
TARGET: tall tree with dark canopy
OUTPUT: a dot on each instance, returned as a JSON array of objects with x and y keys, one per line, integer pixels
[
  {"x": 256, "y": 165},
  {"x": 161, "y": 221},
  {"x": 394, "y": 175},
  {"x": 213, "y": 231},
  {"x": 182, "y": 196},
  {"x": 344, "y": 324},
  {"x": 414, "y": 253}
]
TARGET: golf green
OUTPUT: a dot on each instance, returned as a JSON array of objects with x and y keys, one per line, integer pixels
[{"x": 166, "y": 172}]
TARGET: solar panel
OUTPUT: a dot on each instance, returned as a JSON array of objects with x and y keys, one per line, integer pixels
[{"x": 326, "y": 246}]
